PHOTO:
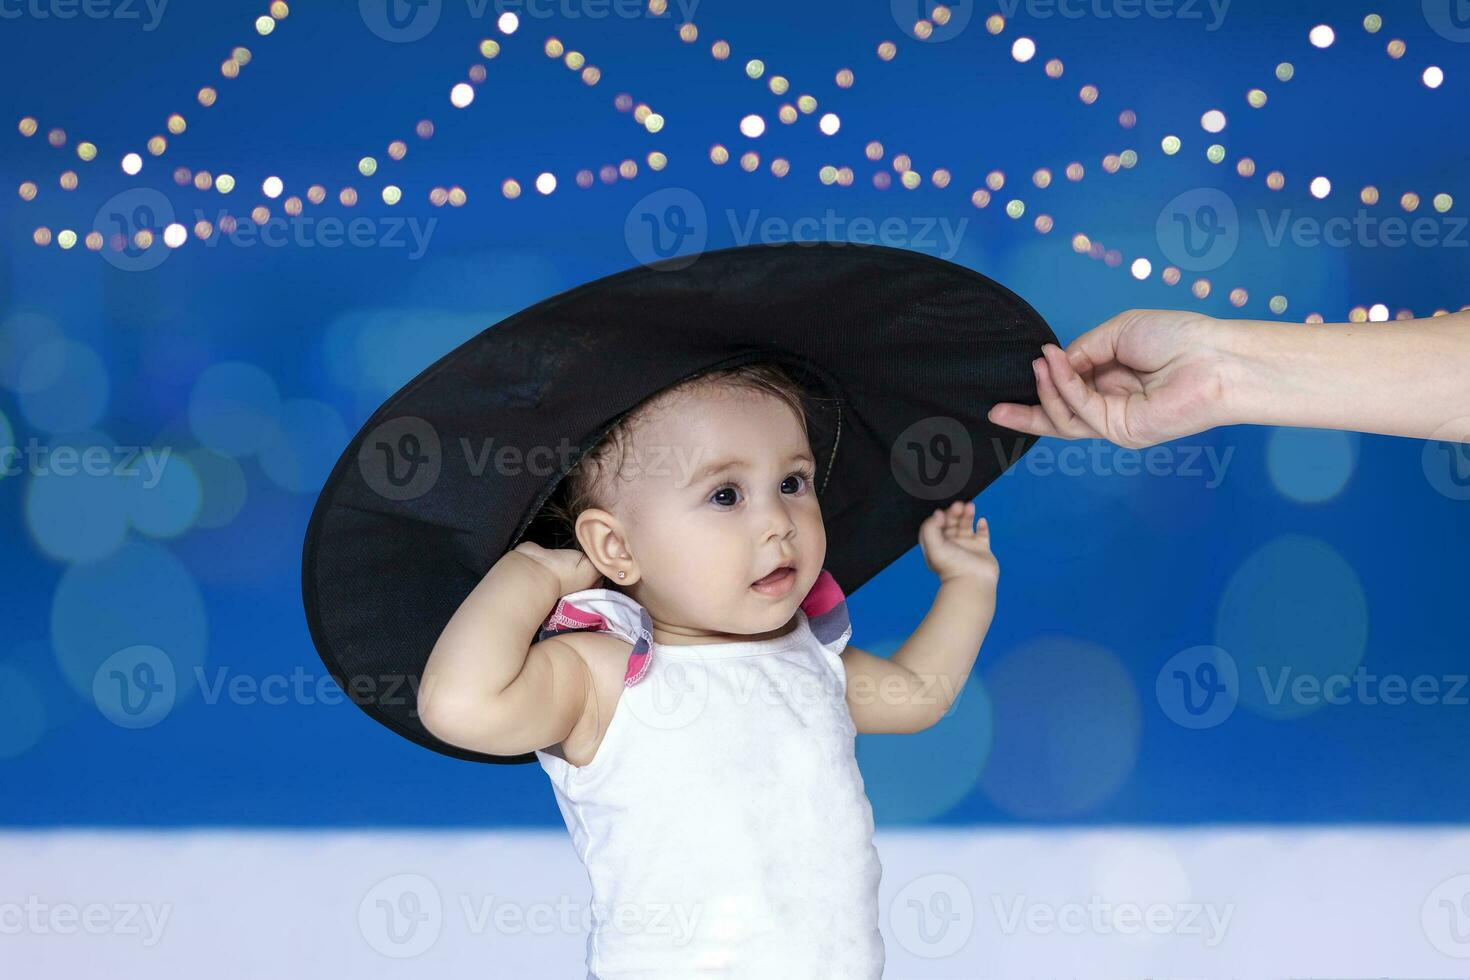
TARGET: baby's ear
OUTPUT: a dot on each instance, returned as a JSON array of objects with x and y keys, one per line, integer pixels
[{"x": 602, "y": 539}]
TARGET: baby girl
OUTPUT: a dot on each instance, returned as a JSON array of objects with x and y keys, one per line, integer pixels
[{"x": 683, "y": 675}]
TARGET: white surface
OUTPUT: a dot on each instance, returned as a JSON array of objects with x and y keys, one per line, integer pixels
[{"x": 1203, "y": 903}]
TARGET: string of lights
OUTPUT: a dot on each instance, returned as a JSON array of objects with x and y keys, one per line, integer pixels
[
  {"x": 1024, "y": 50},
  {"x": 752, "y": 126}
]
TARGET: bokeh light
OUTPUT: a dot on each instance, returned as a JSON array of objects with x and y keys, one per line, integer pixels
[
  {"x": 1068, "y": 722},
  {"x": 76, "y": 506},
  {"x": 63, "y": 386},
  {"x": 140, "y": 594},
  {"x": 164, "y": 496},
  {"x": 233, "y": 408},
  {"x": 918, "y": 777},
  {"x": 1293, "y": 608},
  {"x": 305, "y": 441},
  {"x": 1310, "y": 465},
  {"x": 22, "y": 712}
]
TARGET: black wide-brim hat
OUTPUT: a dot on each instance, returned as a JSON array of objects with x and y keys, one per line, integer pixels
[{"x": 903, "y": 353}]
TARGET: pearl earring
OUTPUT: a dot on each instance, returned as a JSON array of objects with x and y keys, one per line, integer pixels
[{"x": 622, "y": 574}]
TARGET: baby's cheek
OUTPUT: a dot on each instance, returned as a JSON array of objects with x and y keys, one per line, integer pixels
[
  {"x": 691, "y": 552},
  {"x": 816, "y": 535}
]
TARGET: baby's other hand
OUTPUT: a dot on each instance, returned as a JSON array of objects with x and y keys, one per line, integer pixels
[
  {"x": 572, "y": 569},
  {"x": 955, "y": 547}
]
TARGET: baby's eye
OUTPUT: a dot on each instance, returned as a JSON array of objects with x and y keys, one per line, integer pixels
[{"x": 802, "y": 479}]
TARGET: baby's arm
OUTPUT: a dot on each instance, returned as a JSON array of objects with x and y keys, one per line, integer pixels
[
  {"x": 913, "y": 689},
  {"x": 486, "y": 686}
]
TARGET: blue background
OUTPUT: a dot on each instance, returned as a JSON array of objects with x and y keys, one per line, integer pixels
[{"x": 1342, "y": 552}]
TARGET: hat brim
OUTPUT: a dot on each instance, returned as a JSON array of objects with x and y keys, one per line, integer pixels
[{"x": 905, "y": 353}]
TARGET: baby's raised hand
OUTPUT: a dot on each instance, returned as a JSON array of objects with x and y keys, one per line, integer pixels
[
  {"x": 571, "y": 570},
  {"x": 956, "y": 547}
]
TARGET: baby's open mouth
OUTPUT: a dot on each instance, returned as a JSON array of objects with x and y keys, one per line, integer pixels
[{"x": 777, "y": 582}]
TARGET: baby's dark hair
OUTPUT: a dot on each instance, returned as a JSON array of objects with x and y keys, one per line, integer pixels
[{"x": 589, "y": 483}]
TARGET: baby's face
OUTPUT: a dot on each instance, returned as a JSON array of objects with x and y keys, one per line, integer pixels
[{"x": 702, "y": 533}]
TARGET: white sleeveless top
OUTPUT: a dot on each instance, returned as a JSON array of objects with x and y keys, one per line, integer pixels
[{"x": 723, "y": 822}]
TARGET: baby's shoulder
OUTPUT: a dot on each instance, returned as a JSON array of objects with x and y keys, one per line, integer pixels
[
  {"x": 604, "y": 653},
  {"x": 606, "y": 656}
]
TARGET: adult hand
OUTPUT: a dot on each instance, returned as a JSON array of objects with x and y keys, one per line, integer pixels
[
  {"x": 1143, "y": 377},
  {"x": 1147, "y": 376}
]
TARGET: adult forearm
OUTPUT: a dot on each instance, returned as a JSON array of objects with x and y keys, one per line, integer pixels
[{"x": 1405, "y": 378}]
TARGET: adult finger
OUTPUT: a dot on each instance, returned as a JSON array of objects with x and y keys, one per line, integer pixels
[
  {"x": 1081, "y": 399},
  {"x": 1063, "y": 419},
  {"x": 1030, "y": 419},
  {"x": 1097, "y": 346}
]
